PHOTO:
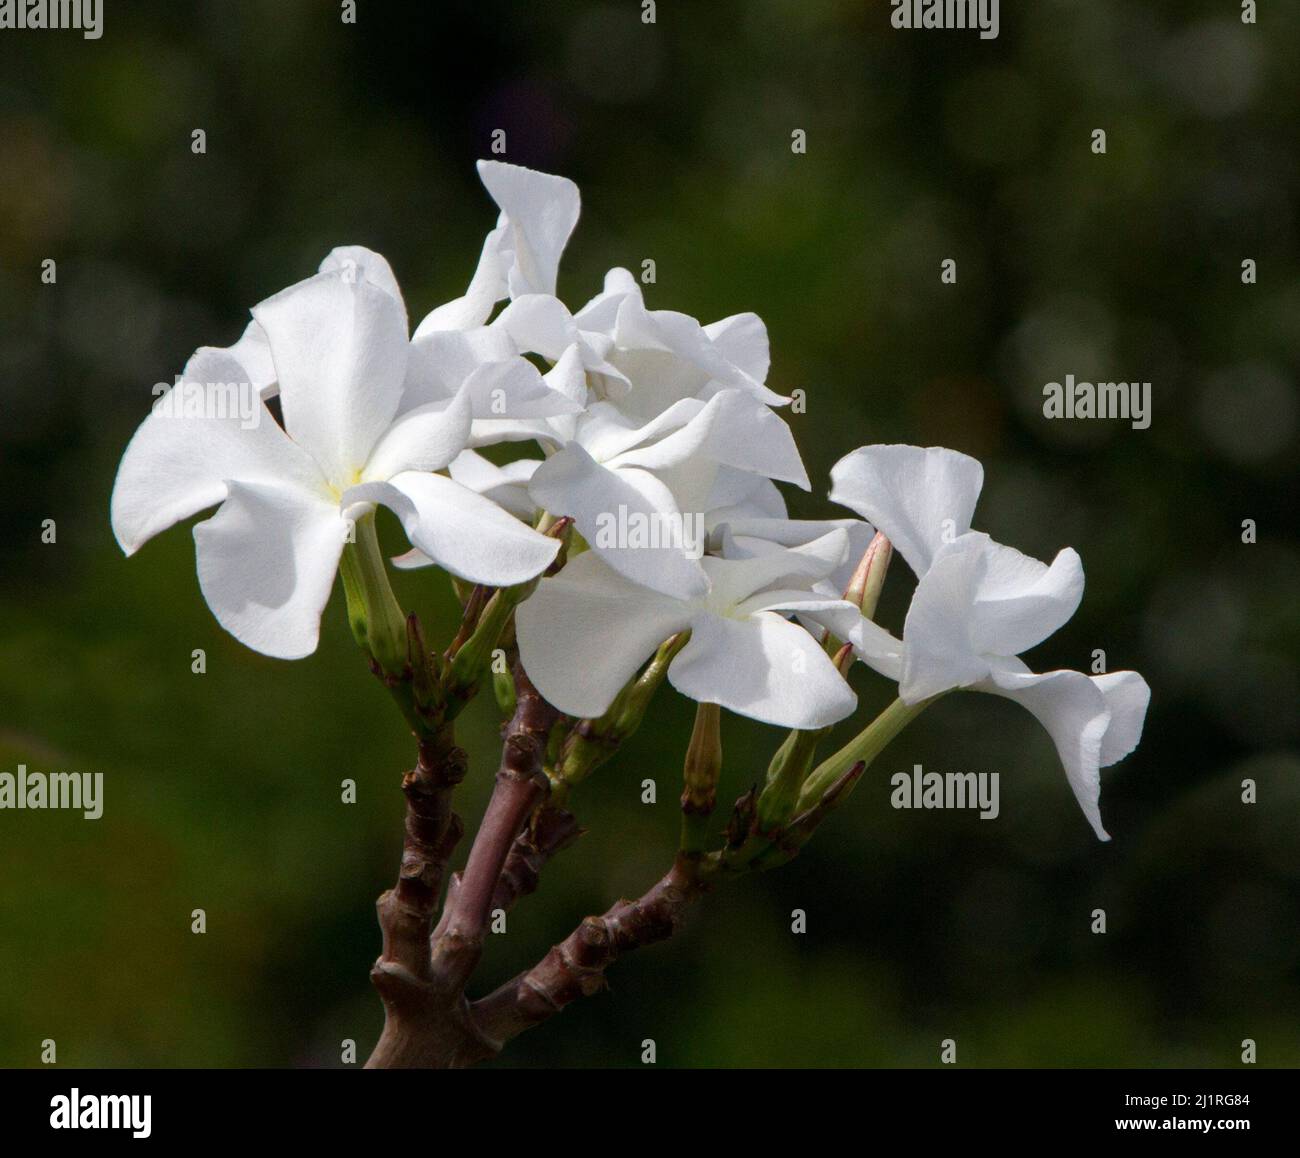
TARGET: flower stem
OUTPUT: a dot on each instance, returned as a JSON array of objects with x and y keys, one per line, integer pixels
[
  {"x": 594, "y": 741},
  {"x": 378, "y": 623},
  {"x": 700, "y": 778},
  {"x": 864, "y": 747}
]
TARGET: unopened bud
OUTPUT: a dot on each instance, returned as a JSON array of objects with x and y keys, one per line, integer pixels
[
  {"x": 700, "y": 773},
  {"x": 869, "y": 576},
  {"x": 785, "y": 776},
  {"x": 377, "y": 622},
  {"x": 473, "y": 656},
  {"x": 594, "y": 741}
]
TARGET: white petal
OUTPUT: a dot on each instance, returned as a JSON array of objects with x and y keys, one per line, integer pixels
[
  {"x": 792, "y": 600},
  {"x": 584, "y": 632},
  {"x": 542, "y": 324},
  {"x": 491, "y": 431},
  {"x": 412, "y": 560},
  {"x": 362, "y": 264},
  {"x": 738, "y": 495},
  {"x": 920, "y": 497},
  {"x": 516, "y": 389},
  {"x": 876, "y": 647},
  {"x": 266, "y": 563},
  {"x": 742, "y": 340},
  {"x": 763, "y": 667},
  {"x": 787, "y": 532},
  {"x": 463, "y": 532},
  {"x": 487, "y": 287},
  {"x": 209, "y": 428},
  {"x": 606, "y": 431},
  {"x": 340, "y": 350},
  {"x": 441, "y": 360},
  {"x": 253, "y": 353},
  {"x": 681, "y": 335},
  {"x": 731, "y": 429},
  {"x": 744, "y": 537},
  {"x": 655, "y": 380},
  {"x": 1127, "y": 696},
  {"x": 569, "y": 376},
  {"x": 507, "y": 486},
  {"x": 540, "y": 210},
  {"x": 600, "y": 315},
  {"x": 538, "y": 324},
  {"x": 1073, "y": 710},
  {"x": 735, "y": 580},
  {"x": 426, "y": 438},
  {"x": 872, "y": 644},
  {"x": 502, "y": 384},
  {"x": 604, "y": 504},
  {"x": 1020, "y": 601},
  {"x": 939, "y": 653}
]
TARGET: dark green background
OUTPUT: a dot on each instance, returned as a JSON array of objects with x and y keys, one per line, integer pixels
[{"x": 222, "y": 790}]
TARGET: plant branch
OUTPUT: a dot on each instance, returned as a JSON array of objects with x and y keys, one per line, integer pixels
[
  {"x": 521, "y": 785},
  {"x": 417, "y": 1031},
  {"x": 551, "y": 830},
  {"x": 432, "y": 832},
  {"x": 576, "y": 966}
]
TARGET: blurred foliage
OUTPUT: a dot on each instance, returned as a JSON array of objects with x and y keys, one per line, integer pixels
[{"x": 222, "y": 790}]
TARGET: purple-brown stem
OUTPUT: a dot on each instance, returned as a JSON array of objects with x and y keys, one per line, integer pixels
[
  {"x": 420, "y": 1030},
  {"x": 576, "y": 966},
  {"x": 521, "y": 785}
]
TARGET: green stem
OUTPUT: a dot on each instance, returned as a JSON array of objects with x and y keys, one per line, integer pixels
[
  {"x": 864, "y": 747},
  {"x": 378, "y": 623},
  {"x": 592, "y": 742},
  {"x": 785, "y": 778}
]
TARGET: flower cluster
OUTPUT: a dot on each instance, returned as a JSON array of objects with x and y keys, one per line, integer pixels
[{"x": 659, "y": 445}]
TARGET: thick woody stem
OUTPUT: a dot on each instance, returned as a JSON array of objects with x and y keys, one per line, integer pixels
[
  {"x": 576, "y": 967},
  {"x": 421, "y": 976},
  {"x": 521, "y": 785},
  {"x": 432, "y": 831},
  {"x": 550, "y": 831},
  {"x": 419, "y": 1029}
]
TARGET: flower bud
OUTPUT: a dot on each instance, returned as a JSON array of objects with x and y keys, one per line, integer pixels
[
  {"x": 594, "y": 741},
  {"x": 869, "y": 576},
  {"x": 377, "y": 622},
  {"x": 700, "y": 773}
]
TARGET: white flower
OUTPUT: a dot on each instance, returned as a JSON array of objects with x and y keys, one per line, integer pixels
[
  {"x": 266, "y": 561},
  {"x": 602, "y": 468},
  {"x": 507, "y": 486},
  {"x": 739, "y": 495},
  {"x": 662, "y": 470},
  {"x": 645, "y": 360},
  {"x": 585, "y": 632},
  {"x": 745, "y": 537},
  {"x": 452, "y": 347},
  {"x": 508, "y": 395},
  {"x": 648, "y": 459},
  {"x": 978, "y": 605},
  {"x": 253, "y": 350}
]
